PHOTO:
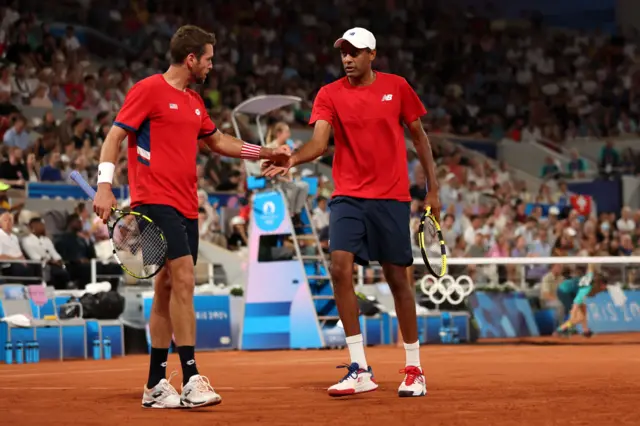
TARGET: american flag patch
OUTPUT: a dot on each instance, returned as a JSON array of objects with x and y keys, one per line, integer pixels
[{"x": 173, "y": 106}]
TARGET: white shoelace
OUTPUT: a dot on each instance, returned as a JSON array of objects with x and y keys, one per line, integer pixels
[
  {"x": 202, "y": 384},
  {"x": 167, "y": 386}
]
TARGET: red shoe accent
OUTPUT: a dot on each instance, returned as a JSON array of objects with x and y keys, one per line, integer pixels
[
  {"x": 341, "y": 392},
  {"x": 413, "y": 374}
]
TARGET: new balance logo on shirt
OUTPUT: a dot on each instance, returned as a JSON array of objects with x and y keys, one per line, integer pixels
[{"x": 387, "y": 97}]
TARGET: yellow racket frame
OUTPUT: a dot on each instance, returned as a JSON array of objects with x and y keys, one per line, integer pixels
[
  {"x": 111, "y": 227},
  {"x": 443, "y": 249}
]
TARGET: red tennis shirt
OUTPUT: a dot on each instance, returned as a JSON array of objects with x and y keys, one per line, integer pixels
[
  {"x": 164, "y": 125},
  {"x": 370, "y": 159}
]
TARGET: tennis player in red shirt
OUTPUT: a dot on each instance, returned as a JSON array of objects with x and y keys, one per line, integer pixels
[
  {"x": 163, "y": 120},
  {"x": 370, "y": 206}
]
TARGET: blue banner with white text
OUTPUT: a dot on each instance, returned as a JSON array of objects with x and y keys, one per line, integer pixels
[{"x": 605, "y": 317}]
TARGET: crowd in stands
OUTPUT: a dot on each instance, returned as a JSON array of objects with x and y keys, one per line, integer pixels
[{"x": 482, "y": 78}]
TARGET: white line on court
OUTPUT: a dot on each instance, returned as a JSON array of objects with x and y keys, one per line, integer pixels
[
  {"x": 220, "y": 388},
  {"x": 66, "y": 373}
]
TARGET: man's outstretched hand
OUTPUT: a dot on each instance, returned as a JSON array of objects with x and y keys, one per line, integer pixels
[{"x": 278, "y": 163}]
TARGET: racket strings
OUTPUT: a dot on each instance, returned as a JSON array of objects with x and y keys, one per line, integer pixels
[{"x": 141, "y": 245}]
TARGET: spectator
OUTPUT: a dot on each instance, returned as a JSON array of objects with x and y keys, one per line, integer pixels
[
  {"x": 17, "y": 135},
  {"x": 13, "y": 170},
  {"x": 32, "y": 168},
  {"x": 550, "y": 170},
  {"x": 22, "y": 87},
  {"x": 520, "y": 247},
  {"x": 37, "y": 246},
  {"x": 65, "y": 128},
  {"x": 80, "y": 166},
  {"x": 472, "y": 231},
  {"x": 609, "y": 160},
  {"x": 531, "y": 133},
  {"x": 77, "y": 252},
  {"x": 576, "y": 167},
  {"x": 418, "y": 190},
  {"x": 40, "y": 98},
  {"x": 549, "y": 291},
  {"x": 320, "y": 215},
  {"x": 52, "y": 171},
  {"x": 296, "y": 190},
  {"x": 10, "y": 250},
  {"x": 238, "y": 236},
  {"x": 6, "y": 87},
  {"x": 478, "y": 247},
  {"x": 626, "y": 224}
]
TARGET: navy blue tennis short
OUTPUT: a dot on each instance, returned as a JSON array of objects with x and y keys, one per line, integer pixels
[
  {"x": 181, "y": 233},
  {"x": 373, "y": 230}
]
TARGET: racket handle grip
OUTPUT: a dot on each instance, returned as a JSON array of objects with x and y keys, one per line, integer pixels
[{"x": 77, "y": 178}]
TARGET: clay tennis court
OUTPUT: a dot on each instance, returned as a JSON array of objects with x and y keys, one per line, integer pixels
[{"x": 537, "y": 382}]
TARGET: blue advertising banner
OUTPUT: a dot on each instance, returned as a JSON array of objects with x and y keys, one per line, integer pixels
[
  {"x": 213, "y": 321},
  {"x": 501, "y": 315},
  {"x": 605, "y": 317}
]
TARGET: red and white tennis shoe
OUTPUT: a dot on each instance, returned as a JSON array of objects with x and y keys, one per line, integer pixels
[
  {"x": 414, "y": 383},
  {"x": 357, "y": 380}
]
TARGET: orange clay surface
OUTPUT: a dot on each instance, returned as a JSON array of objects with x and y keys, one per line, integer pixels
[{"x": 544, "y": 381}]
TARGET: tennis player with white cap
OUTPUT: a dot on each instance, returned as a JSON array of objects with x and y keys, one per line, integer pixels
[{"x": 370, "y": 206}]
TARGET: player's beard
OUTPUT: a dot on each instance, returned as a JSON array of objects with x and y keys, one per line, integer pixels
[{"x": 198, "y": 79}]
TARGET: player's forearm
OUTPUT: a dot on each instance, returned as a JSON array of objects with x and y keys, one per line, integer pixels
[
  {"x": 309, "y": 151},
  {"x": 229, "y": 146},
  {"x": 425, "y": 156}
]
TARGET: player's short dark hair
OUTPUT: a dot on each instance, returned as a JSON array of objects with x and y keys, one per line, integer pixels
[
  {"x": 35, "y": 220},
  {"x": 189, "y": 39}
]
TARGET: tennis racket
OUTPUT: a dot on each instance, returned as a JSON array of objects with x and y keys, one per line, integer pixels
[
  {"x": 432, "y": 247},
  {"x": 138, "y": 244}
]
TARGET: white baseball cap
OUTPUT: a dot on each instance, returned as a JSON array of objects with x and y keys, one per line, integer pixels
[{"x": 360, "y": 38}]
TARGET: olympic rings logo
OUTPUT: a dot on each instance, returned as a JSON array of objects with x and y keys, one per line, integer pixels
[{"x": 447, "y": 288}]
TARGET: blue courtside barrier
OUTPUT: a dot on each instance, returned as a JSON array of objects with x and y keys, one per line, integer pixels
[
  {"x": 502, "y": 315},
  {"x": 213, "y": 321},
  {"x": 605, "y": 317}
]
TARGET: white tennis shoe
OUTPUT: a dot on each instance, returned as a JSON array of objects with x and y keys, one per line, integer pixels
[
  {"x": 198, "y": 392},
  {"x": 357, "y": 380},
  {"x": 414, "y": 383},
  {"x": 162, "y": 395}
]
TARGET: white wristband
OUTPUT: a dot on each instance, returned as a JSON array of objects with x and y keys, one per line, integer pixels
[{"x": 105, "y": 172}]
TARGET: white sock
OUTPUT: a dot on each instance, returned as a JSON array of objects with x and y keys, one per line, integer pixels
[
  {"x": 356, "y": 350},
  {"x": 412, "y": 351}
]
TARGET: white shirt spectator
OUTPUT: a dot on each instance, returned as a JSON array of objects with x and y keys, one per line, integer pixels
[
  {"x": 531, "y": 135},
  {"x": 71, "y": 43},
  {"x": 41, "y": 248},
  {"x": 320, "y": 218},
  {"x": 626, "y": 225},
  {"x": 9, "y": 245}
]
